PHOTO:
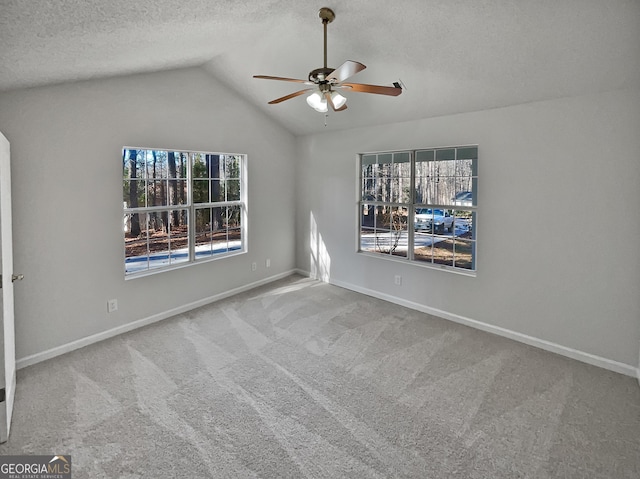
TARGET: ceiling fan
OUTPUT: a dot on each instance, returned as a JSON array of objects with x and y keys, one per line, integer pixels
[{"x": 325, "y": 82}]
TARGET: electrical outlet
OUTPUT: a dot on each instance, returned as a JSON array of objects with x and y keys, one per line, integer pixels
[
  {"x": 112, "y": 305},
  {"x": 397, "y": 279},
  {"x": 268, "y": 263},
  {"x": 254, "y": 266}
]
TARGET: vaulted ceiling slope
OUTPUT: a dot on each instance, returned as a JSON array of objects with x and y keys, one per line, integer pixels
[{"x": 452, "y": 56}]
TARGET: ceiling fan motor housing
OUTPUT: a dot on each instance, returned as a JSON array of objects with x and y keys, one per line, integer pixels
[{"x": 319, "y": 74}]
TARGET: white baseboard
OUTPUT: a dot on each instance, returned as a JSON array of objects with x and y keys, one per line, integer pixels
[
  {"x": 638, "y": 370},
  {"x": 80, "y": 343},
  {"x": 588, "y": 358}
]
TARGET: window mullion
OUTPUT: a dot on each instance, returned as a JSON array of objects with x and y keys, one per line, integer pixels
[
  {"x": 191, "y": 218},
  {"x": 412, "y": 201}
]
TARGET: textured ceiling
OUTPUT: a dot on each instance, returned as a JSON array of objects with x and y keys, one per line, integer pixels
[{"x": 452, "y": 55}]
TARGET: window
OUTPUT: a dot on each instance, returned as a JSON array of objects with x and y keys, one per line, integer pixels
[
  {"x": 420, "y": 205},
  {"x": 181, "y": 207}
]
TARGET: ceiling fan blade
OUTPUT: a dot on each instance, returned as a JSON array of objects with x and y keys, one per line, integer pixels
[
  {"x": 290, "y": 95},
  {"x": 266, "y": 77},
  {"x": 346, "y": 70},
  {"x": 380, "y": 90},
  {"x": 327, "y": 95}
]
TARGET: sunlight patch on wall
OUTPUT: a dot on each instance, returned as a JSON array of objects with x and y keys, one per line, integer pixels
[{"x": 320, "y": 259}]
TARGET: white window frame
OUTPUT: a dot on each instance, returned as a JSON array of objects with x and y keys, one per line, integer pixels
[
  {"x": 401, "y": 205},
  {"x": 190, "y": 207}
]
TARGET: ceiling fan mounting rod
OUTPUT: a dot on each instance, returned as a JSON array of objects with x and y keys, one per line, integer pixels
[
  {"x": 327, "y": 16},
  {"x": 324, "y": 23}
]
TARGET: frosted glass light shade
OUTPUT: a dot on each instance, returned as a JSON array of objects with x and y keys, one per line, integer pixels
[
  {"x": 317, "y": 102},
  {"x": 338, "y": 100}
]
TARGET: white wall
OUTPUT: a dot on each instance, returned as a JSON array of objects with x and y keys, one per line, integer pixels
[
  {"x": 66, "y": 146},
  {"x": 558, "y": 256}
]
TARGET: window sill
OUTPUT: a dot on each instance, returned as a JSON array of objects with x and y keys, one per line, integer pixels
[{"x": 419, "y": 264}]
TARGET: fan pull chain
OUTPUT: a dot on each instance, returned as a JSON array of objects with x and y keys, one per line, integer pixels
[{"x": 326, "y": 115}]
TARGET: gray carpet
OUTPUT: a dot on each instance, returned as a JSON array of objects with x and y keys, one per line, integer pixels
[{"x": 300, "y": 379}]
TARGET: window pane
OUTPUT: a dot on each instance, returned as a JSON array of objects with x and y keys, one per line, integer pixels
[
  {"x": 368, "y": 159},
  {"x": 201, "y": 191},
  {"x": 433, "y": 220},
  {"x": 464, "y": 254},
  {"x": 161, "y": 166},
  {"x": 367, "y": 218},
  {"x": 367, "y": 240},
  {"x": 384, "y": 190},
  {"x": 144, "y": 163},
  {"x": 133, "y": 193},
  {"x": 219, "y": 240},
  {"x": 369, "y": 189},
  {"x": 369, "y": 171},
  {"x": 232, "y": 167},
  {"x": 401, "y": 157},
  {"x": 399, "y": 238},
  {"x": 216, "y": 166},
  {"x": 389, "y": 234},
  {"x": 203, "y": 233},
  {"x": 404, "y": 170},
  {"x": 446, "y": 168},
  {"x": 422, "y": 250},
  {"x": 443, "y": 251},
  {"x": 421, "y": 182},
  {"x": 217, "y": 190},
  {"x": 474, "y": 190},
  {"x": 385, "y": 158},
  {"x": 394, "y": 184},
  {"x": 473, "y": 224},
  {"x": 182, "y": 164},
  {"x": 179, "y": 236},
  {"x": 464, "y": 168},
  {"x": 157, "y": 193},
  {"x": 177, "y": 192},
  {"x": 468, "y": 153},
  {"x": 234, "y": 216},
  {"x": 235, "y": 239},
  {"x": 425, "y": 155},
  {"x": 133, "y": 164},
  {"x": 156, "y": 164},
  {"x": 136, "y": 252},
  {"x": 404, "y": 193},
  {"x": 233, "y": 190},
  {"x": 234, "y": 223},
  {"x": 381, "y": 241},
  {"x": 200, "y": 168},
  {"x": 447, "y": 154},
  {"x": 465, "y": 224},
  {"x": 173, "y": 159},
  {"x": 158, "y": 239}
]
